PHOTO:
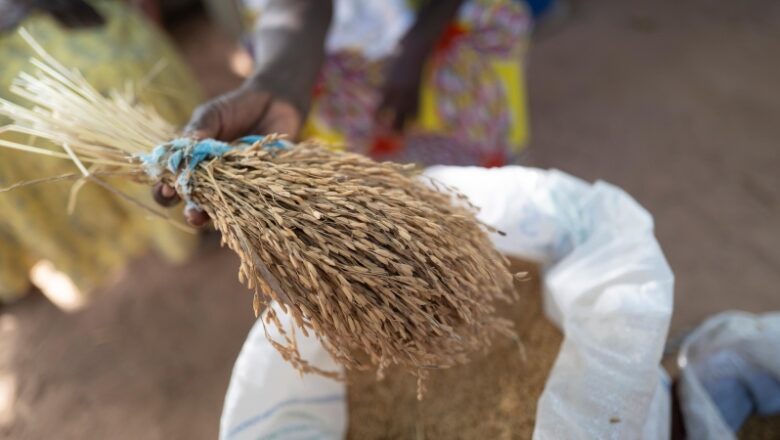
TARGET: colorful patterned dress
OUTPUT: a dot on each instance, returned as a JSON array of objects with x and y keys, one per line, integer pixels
[
  {"x": 103, "y": 233},
  {"x": 472, "y": 102}
]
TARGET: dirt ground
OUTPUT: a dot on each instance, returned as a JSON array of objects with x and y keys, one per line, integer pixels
[
  {"x": 149, "y": 359},
  {"x": 676, "y": 102}
]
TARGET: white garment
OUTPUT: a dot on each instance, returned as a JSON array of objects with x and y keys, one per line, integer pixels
[{"x": 373, "y": 27}]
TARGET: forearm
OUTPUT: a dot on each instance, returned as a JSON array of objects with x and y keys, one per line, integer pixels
[
  {"x": 289, "y": 48},
  {"x": 431, "y": 22}
]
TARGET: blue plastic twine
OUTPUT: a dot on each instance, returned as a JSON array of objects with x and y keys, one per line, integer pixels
[{"x": 189, "y": 152}]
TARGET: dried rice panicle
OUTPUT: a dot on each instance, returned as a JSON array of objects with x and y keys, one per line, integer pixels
[
  {"x": 383, "y": 267},
  {"x": 386, "y": 268}
]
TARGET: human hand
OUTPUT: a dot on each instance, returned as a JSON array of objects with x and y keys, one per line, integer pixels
[
  {"x": 244, "y": 111},
  {"x": 401, "y": 91},
  {"x": 69, "y": 13}
]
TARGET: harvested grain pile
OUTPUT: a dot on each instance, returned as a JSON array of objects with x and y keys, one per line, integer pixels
[
  {"x": 492, "y": 397},
  {"x": 383, "y": 267},
  {"x": 760, "y": 428}
]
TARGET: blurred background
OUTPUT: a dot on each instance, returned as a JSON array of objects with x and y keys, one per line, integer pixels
[{"x": 675, "y": 102}]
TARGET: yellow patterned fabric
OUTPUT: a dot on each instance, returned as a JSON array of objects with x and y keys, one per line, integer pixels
[
  {"x": 104, "y": 232},
  {"x": 472, "y": 98}
]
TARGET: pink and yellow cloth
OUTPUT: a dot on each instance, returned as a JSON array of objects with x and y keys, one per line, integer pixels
[{"x": 473, "y": 97}]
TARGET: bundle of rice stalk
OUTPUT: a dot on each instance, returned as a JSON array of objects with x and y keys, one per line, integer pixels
[{"x": 384, "y": 267}]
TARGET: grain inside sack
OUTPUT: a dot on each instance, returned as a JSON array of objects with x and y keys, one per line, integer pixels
[{"x": 494, "y": 396}]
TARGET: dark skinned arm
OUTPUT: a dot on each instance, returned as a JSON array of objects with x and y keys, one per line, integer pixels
[
  {"x": 289, "y": 51},
  {"x": 401, "y": 91}
]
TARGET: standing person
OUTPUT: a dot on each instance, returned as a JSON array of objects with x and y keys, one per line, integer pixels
[{"x": 431, "y": 82}]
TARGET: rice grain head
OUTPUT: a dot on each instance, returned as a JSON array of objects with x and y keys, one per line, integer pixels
[{"x": 383, "y": 267}]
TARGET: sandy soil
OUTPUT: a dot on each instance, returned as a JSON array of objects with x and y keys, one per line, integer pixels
[
  {"x": 677, "y": 103},
  {"x": 149, "y": 359}
]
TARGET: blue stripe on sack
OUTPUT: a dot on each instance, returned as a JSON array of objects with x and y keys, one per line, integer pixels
[
  {"x": 331, "y": 398},
  {"x": 287, "y": 430}
]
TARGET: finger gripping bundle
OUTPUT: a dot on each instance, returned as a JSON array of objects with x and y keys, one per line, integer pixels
[{"x": 384, "y": 267}]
